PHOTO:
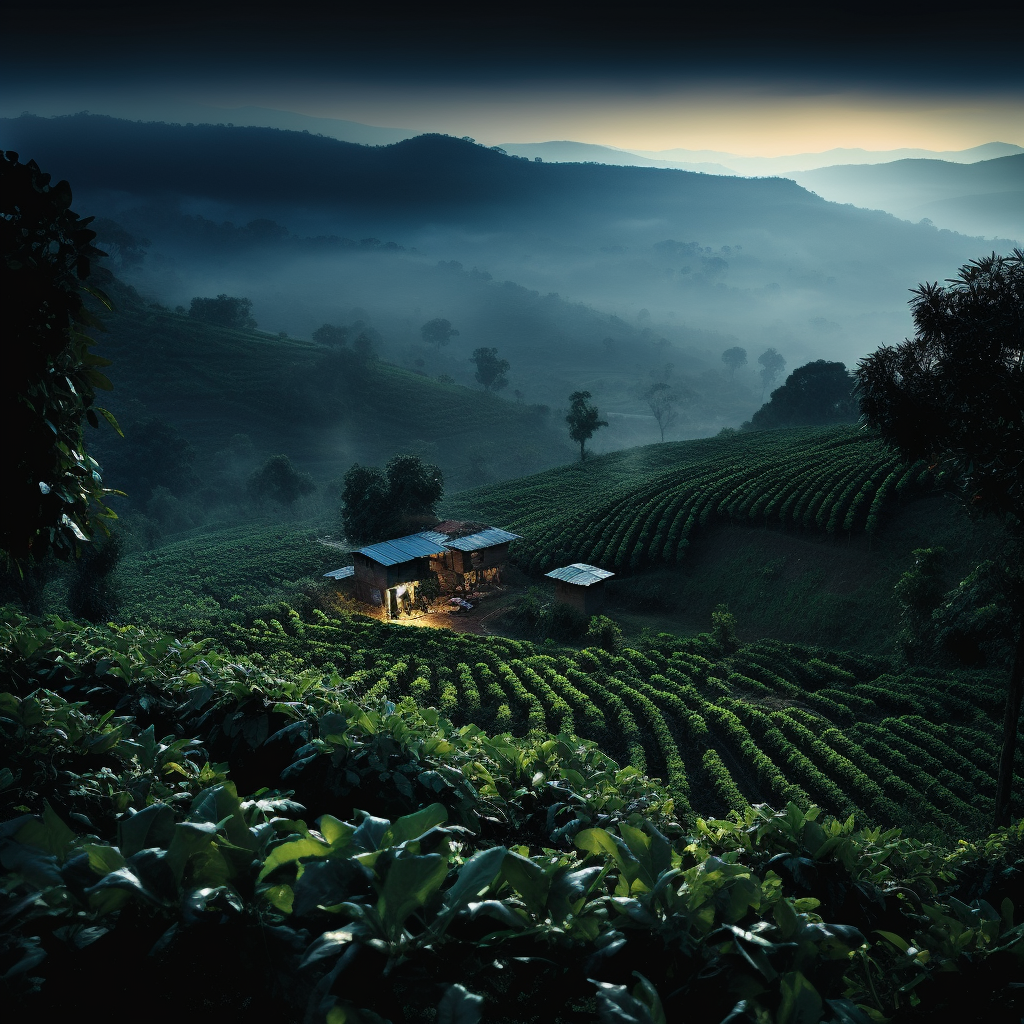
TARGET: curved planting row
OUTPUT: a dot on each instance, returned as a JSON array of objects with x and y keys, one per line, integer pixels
[
  {"x": 829, "y": 480},
  {"x": 771, "y": 722}
]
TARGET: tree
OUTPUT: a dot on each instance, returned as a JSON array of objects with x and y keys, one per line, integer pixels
[
  {"x": 815, "y": 394},
  {"x": 582, "y": 420},
  {"x": 328, "y": 334},
  {"x": 490, "y": 370},
  {"x": 954, "y": 395},
  {"x": 53, "y": 496},
  {"x": 772, "y": 364},
  {"x": 224, "y": 311},
  {"x": 280, "y": 481},
  {"x": 662, "y": 399},
  {"x": 734, "y": 358},
  {"x": 438, "y": 332},
  {"x": 401, "y": 498}
]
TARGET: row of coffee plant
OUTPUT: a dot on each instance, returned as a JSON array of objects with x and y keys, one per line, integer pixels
[
  {"x": 201, "y": 835},
  {"x": 787, "y": 723},
  {"x": 834, "y": 480}
]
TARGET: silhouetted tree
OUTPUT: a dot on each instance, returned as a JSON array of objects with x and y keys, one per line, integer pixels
[
  {"x": 490, "y": 370},
  {"x": 328, "y": 334},
  {"x": 401, "y": 498},
  {"x": 734, "y": 358},
  {"x": 278, "y": 480},
  {"x": 224, "y": 311},
  {"x": 438, "y": 332},
  {"x": 954, "y": 395},
  {"x": 663, "y": 400},
  {"x": 814, "y": 394},
  {"x": 582, "y": 420},
  {"x": 52, "y": 491},
  {"x": 772, "y": 364}
]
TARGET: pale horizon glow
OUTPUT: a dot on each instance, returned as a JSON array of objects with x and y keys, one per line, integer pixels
[{"x": 744, "y": 122}]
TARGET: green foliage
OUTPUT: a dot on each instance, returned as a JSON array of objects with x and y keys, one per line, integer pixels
[
  {"x": 723, "y": 629},
  {"x": 631, "y": 512},
  {"x": 815, "y": 394},
  {"x": 278, "y": 480},
  {"x": 605, "y": 633},
  {"x": 734, "y": 358},
  {"x": 474, "y": 856},
  {"x": 438, "y": 332},
  {"x": 582, "y": 420},
  {"x": 490, "y": 370},
  {"x": 919, "y": 591},
  {"x": 54, "y": 494},
  {"x": 772, "y": 364},
  {"x": 224, "y": 311},
  {"x": 399, "y": 500},
  {"x": 328, "y": 334}
]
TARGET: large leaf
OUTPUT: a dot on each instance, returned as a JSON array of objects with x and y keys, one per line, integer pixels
[
  {"x": 475, "y": 877},
  {"x": 528, "y": 879},
  {"x": 412, "y": 826},
  {"x": 459, "y": 1006},
  {"x": 410, "y": 883},
  {"x": 220, "y": 805},
  {"x": 152, "y": 826},
  {"x": 49, "y": 834}
]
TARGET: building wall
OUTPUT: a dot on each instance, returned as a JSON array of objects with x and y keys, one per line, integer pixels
[{"x": 588, "y": 600}]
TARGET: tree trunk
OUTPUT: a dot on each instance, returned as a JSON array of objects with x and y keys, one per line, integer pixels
[
  {"x": 1011, "y": 719},
  {"x": 582, "y": 455}
]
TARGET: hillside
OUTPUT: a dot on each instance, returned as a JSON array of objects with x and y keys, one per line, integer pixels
[
  {"x": 322, "y": 407},
  {"x": 803, "y": 533},
  {"x": 762, "y": 259},
  {"x": 984, "y": 198}
]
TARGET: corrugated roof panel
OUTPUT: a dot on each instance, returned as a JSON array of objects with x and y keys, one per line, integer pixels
[
  {"x": 341, "y": 574},
  {"x": 580, "y": 574},
  {"x": 405, "y": 549},
  {"x": 484, "y": 539}
]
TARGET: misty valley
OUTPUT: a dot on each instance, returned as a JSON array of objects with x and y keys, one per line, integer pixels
[{"x": 466, "y": 583}]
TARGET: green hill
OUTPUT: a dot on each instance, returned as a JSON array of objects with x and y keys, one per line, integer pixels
[
  {"x": 324, "y": 408},
  {"x": 802, "y": 533}
]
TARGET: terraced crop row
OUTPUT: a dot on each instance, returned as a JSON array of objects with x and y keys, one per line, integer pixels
[
  {"x": 772, "y": 722},
  {"x": 838, "y": 479}
]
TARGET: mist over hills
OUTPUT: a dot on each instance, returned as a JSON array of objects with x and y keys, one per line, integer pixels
[
  {"x": 986, "y": 197},
  {"x": 582, "y": 275},
  {"x": 790, "y": 164}
]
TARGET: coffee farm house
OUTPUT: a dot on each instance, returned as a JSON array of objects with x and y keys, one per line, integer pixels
[{"x": 461, "y": 556}]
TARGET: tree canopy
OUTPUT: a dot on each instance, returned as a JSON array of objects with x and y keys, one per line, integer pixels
[
  {"x": 438, "y": 332},
  {"x": 490, "y": 370},
  {"x": 401, "y": 498},
  {"x": 224, "y": 311},
  {"x": 329, "y": 334},
  {"x": 280, "y": 481},
  {"x": 954, "y": 395},
  {"x": 583, "y": 420},
  {"x": 772, "y": 364},
  {"x": 53, "y": 491},
  {"x": 734, "y": 358},
  {"x": 815, "y": 394}
]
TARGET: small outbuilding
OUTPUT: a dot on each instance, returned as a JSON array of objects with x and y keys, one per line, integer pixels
[
  {"x": 387, "y": 574},
  {"x": 474, "y": 554},
  {"x": 581, "y": 586},
  {"x": 463, "y": 555}
]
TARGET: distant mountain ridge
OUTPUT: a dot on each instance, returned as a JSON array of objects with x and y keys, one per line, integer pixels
[
  {"x": 985, "y": 198},
  {"x": 791, "y": 164}
]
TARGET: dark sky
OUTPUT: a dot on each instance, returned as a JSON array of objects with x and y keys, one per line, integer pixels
[{"x": 780, "y": 77}]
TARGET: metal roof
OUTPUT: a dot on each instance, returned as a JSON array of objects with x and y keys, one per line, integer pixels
[
  {"x": 484, "y": 539},
  {"x": 405, "y": 549},
  {"x": 580, "y": 573},
  {"x": 341, "y": 574}
]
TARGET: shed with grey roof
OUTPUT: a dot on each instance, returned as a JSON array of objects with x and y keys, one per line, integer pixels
[
  {"x": 581, "y": 586},
  {"x": 471, "y": 558}
]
